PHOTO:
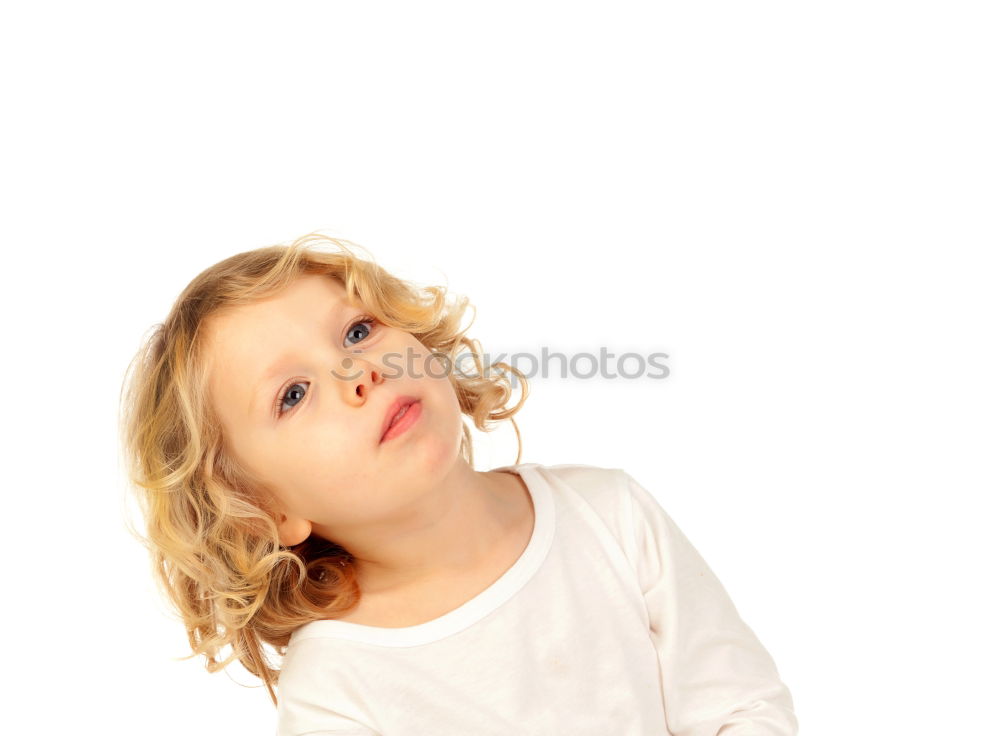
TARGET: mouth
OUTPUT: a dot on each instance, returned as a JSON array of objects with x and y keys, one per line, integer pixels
[{"x": 396, "y": 412}]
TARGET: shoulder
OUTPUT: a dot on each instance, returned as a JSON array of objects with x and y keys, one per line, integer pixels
[
  {"x": 597, "y": 484},
  {"x": 302, "y": 660},
  {"x": 315, "y": 693},
  {"x": 600, "y": 485},
  {"x": 312, "y": 660},
  {"x": 582, "y": 474},
  {"x": 602, "y": 489},
  {"x": 623, "y": 502}
]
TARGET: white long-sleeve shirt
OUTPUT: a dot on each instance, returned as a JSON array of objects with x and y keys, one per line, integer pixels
[{"x": 610, "y": 622}]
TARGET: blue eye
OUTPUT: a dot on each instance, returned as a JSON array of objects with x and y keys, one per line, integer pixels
[
  {"x": 365, "y": 320},
  {"x": 285, "y": 392}
]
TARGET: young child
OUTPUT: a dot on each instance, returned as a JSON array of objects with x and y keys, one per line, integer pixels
[{"x": 295, "y": 434}]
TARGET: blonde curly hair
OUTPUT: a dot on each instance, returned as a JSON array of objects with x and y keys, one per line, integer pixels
[{"x": 211, "y": 531}]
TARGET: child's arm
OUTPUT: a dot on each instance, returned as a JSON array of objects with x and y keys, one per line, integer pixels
[{"x": 716, "y": 676}]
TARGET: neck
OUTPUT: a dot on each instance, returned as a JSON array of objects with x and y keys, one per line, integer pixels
[{"x": 450, "y": 531}]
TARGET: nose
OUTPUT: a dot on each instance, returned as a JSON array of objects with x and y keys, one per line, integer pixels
[
  {"x": 361, "y": 375},
  {"x": 371, "y": 377}
]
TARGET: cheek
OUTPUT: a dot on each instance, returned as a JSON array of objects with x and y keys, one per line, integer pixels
[
  {"x": 450, "y": 422},
  {"x": 437, "y": 367},
  {"x": 333, "y": 444},
  {"x": 327, "y": 482},
  {"x": 312, "y": 453}
]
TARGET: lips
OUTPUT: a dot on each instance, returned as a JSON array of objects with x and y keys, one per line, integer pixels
[{"x": 393, "y": 410}]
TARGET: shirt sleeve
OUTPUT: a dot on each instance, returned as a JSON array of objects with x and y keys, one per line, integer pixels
[
  {"x": 304, "y": 707},
  {"x": 356, "y": 730},
  {"x": 717, "y": 679}
]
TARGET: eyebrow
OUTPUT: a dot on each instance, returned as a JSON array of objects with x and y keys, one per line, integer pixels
[{"x": 278, "y": 366}]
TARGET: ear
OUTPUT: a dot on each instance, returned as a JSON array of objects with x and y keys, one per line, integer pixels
[{"x": 293, "y": 530}]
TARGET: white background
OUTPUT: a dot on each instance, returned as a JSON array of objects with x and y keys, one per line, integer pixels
[{"x": 796, "y": 201}]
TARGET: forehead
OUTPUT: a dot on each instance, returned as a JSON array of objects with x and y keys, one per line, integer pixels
[{"x": 308, "y": 298}]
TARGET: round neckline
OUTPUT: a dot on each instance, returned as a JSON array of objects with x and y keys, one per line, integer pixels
[{"x": 474, "y": 609}]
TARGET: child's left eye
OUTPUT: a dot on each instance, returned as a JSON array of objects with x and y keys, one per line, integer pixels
[{"x": 366, "y": 320}]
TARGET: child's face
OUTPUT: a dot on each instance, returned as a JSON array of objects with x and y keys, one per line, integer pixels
[{"x": 319, "y": 449}]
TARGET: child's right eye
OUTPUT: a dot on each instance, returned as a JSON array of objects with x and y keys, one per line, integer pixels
[{"x": 285, "y": 392}]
